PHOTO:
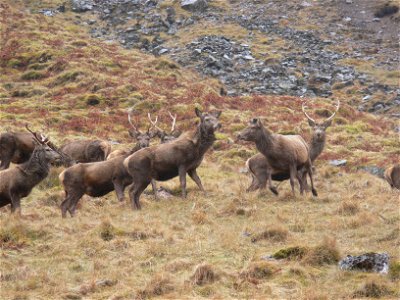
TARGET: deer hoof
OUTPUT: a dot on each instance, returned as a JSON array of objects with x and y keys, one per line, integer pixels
[
  {"x": 274, "y": 190},
  {"x": 314, "y": 192}
]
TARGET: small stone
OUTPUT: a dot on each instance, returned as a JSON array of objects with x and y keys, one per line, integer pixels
[
  {"x": 162, "y": 51},
  {"x": 338, "y": 162},
  {"x": 248, "y": 57},
  {"x": 349, "y": 1},
  {"x": 194, "y": 5}
]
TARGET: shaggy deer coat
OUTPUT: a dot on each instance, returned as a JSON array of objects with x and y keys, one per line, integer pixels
[
  {"x": 178, "y": 157},
  {"x": 15, "y": 147},
  {"x": 87, "y": 150},
  {"x": 284, "y": 153},
  {"x": 18, "y": 182}
]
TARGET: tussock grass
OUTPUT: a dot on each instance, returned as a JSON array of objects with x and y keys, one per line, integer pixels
[{"x": 204, "y": 274}]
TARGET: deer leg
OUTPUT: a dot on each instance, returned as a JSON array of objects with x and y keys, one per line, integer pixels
[
  {"x": 313, "y": 190},
  {"x": 269, "y": 181},
  {"x": 135, "y": 192},
  {"x": 293, "y": 175},
  {"x": 119, "y": 190},
  {"x": 196, "y": 178},
  {"x": 182, "y": 179},
  {"x": 255, "y": 184},
  {"x": 15, "y": 204},
  {"x": 154, "y": 187}
]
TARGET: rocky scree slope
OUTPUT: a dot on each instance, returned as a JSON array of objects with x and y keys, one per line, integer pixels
[{"x": 301, "y": 48}]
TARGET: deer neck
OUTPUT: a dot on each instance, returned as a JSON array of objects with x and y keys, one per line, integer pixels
[
  {"x": 265, "y": 141},
  {"x": 316, "y": 148},
  {"x": 37, "y": 167},
  {"x": 136, "y": 148},
  {"x": 203, "y": 139}
]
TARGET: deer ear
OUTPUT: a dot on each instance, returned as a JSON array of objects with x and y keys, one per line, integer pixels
[
  {"x": 216, "y": 114},
  {"x": 328, "y": 123},
  {"x": 133, "y": 133},
  {"x": 254, "y": 121},
  {"x": 198, "y": 112},
  {"x": 311, "y": 123}
]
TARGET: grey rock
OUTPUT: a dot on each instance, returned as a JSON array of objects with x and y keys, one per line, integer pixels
[
  {"x": 194, "y": 5},
  {"x": 338, "y": 162},
  {"x": 82, "y": 5},
  {"x": 374, "y": 170},
  {"x": 368, "y": 262}
]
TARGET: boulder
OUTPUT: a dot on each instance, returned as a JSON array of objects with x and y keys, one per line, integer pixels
[
  {"x": 82, "y": 5},
  {"x": 368, "y": 262},
  {"x": 194, "y": 5}
]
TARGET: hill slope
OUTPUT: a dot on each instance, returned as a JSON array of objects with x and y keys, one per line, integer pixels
[{"x": 59, "y": 79}]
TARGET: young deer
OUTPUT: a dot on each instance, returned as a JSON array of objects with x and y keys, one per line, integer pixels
[
  {"x": 176, "y": 158},
  {"x": 258, "y": 164},
  {"x": 284, "y": 153}
]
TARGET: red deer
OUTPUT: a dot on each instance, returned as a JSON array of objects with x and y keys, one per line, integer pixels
[
  {"x": 258, "y": 164},
  {"x": 392, "y": 176},
  {"x": 18, "y": 182},
  {"x": 173, "y": 134},
  {"x": 166, "y": 161},
  {"x": 284, "y": 153},
  {"x": 15, "y": 147},
  {"x": 142, "y": 138},
  {"x": 96, "y": 179},
  {"x": 87, "y": 150}
]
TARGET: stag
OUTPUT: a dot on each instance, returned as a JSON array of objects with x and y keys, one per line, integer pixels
[
  {"x": 18, "y": 182},
  {"x": 165, "y": 136},
  {"x": 284, "y": 153},
  {"x": 142, "y": 138},
  {"x": 258, "y": 164},
  {"x": 392, "y": 176},
  {"x": 99, "y": 178},
  {"x": 166, "y": 161}
]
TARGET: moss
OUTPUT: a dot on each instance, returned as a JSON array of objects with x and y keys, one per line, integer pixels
[
  {"x": 292, "y": 253},
  {"x": 33, "y": 75}
]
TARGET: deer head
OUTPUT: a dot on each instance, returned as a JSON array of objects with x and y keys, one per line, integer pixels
[
  {"x": 319, "y": 128},
  {"x": 143, "y": 138},
  {"x": 52, "y": 153},
  {"x": 209, "y": 122},
  {"x": 164, "y": 136},
  {"x": 252, "y": 132}
]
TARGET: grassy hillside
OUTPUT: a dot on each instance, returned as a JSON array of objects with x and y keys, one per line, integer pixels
[{"x": 58, "y": 79}]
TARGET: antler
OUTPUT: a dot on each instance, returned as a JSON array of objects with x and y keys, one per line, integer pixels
[
  {"x": 43, "y": 140},
  {"x": 337, "y": 109},
  {"x": 130, "y": 120},
  {"x": 153, "y": 123},
  {"x": 173, "y": 121},
  {"x": 303, "y": 108}
]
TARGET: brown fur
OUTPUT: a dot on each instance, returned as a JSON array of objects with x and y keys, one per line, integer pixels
[
  {"x": 94, "y": 179},
  {"x": 284, "y": 153},
  {"x": 392, "y": 176},
  {"x": 15, "y": 147},
  {"x": 18, "y": 182},
  {"x": 258, "y": 164},
  {"x": 166, "y": 161},
  {"x": 84, "y": 151}
]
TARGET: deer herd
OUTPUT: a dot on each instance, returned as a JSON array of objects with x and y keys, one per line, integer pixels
[{"x": 93, "y": 169}]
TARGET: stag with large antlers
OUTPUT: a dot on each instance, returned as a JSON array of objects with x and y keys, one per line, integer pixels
[
  {"x": 165, "y": 136},
  {"x": 18, "y": 182},
  {"x": 100, "y": 178},
  {"x": 142, "y": 138},
  {"x": 258, "y": 164},
  {"x": 176, "y": 158},
  {"x": 284, "y": 153}
]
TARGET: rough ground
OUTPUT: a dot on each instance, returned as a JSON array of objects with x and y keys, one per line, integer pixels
[
  {"x": 312, "y": 48},
  {"x": 68, "y": 84}
]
